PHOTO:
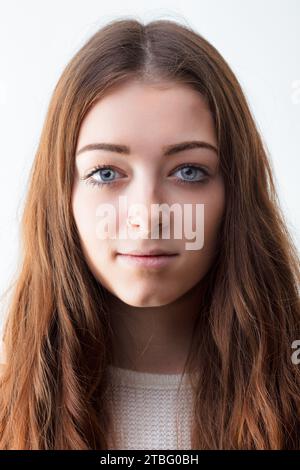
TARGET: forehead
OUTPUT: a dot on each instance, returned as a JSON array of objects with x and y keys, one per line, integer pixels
[{"x": 149, "y": 115}]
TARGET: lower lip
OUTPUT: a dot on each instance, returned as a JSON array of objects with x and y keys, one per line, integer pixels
[{"x": 147, "y": 261}]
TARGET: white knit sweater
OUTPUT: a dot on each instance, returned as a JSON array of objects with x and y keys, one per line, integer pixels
[{"x": 146, "y": 407}]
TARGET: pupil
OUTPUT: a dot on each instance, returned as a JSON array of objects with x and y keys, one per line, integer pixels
[
  {"x": 188, "y": 170},
  {"x": 106, "y": 171}
]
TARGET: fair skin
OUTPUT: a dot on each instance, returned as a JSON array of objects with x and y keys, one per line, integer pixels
[{"x": 153, "y": 311}]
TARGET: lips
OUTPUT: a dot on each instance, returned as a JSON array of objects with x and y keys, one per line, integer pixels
[
  {"x": 150, "y": 252},
  {"x": 157, "y": 261}
]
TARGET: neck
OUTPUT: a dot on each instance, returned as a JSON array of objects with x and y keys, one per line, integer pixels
[{"x": 154, "y": 339}]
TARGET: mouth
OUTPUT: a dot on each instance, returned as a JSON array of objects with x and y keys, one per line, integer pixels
[
  {"x": 149, "y": 252},
  {"x": 145, "y": 260}
]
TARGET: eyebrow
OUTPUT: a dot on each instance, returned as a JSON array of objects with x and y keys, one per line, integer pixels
[{"x": 167, "y": 150}]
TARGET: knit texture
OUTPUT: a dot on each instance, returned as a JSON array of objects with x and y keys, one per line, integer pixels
[{"x": 146, "y": 408}]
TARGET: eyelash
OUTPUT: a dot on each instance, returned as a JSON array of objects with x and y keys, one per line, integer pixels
[{"x": 89, "y": 180}]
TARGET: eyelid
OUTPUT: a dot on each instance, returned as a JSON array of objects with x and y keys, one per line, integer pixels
[
  {"x": 194, "y": 165},
  {"x": 104, "y": 166},
  {"x": 98, "y": 168},
  {"x": 89, "y": 180}
]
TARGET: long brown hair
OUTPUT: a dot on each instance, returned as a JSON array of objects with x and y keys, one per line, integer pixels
[{"x": 58, "y": 334}]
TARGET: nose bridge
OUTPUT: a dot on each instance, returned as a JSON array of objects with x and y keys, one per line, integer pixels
[
  {"x": 146, "y": 187},
  {"x": 145, "y": 191}
]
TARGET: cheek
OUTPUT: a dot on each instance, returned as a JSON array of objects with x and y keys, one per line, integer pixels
[
  {"x": 85, "y": 205},
  {"x": 213, "y": 211},
  {"x": 198, "y": 262},
  {"x": 207, "y": 216},
  {"x": 207, "y": 226}
]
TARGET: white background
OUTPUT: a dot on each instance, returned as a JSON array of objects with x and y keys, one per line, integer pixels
[{"x": 260, "y": 39}]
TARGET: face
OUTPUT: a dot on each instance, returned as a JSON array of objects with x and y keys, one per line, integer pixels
[{"x": 149, "y": 120}]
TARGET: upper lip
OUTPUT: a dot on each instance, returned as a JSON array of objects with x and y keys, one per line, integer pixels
[{"x": 152, "y": 252}]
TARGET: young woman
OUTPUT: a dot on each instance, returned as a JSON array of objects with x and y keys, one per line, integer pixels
[{"x": 102, "y": 342}]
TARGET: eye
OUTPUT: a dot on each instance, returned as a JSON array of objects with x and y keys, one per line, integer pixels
[
  {"x": 105, "y": 174},
  {"x": 193, "y": 174}
]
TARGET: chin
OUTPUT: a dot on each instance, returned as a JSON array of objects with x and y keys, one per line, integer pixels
[{"x": 147, "y": 300}]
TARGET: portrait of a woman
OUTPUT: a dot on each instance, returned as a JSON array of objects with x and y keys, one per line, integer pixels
[{"x": 139, "y": 342}]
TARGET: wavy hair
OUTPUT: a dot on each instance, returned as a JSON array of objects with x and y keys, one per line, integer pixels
[{"x": 53, "y": 390}]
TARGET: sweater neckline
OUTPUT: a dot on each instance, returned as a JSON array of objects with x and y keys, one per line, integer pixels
[{"x": 137, "y": 379}]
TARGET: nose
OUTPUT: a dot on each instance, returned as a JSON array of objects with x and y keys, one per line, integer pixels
[{"x": 144, "y": 215}]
